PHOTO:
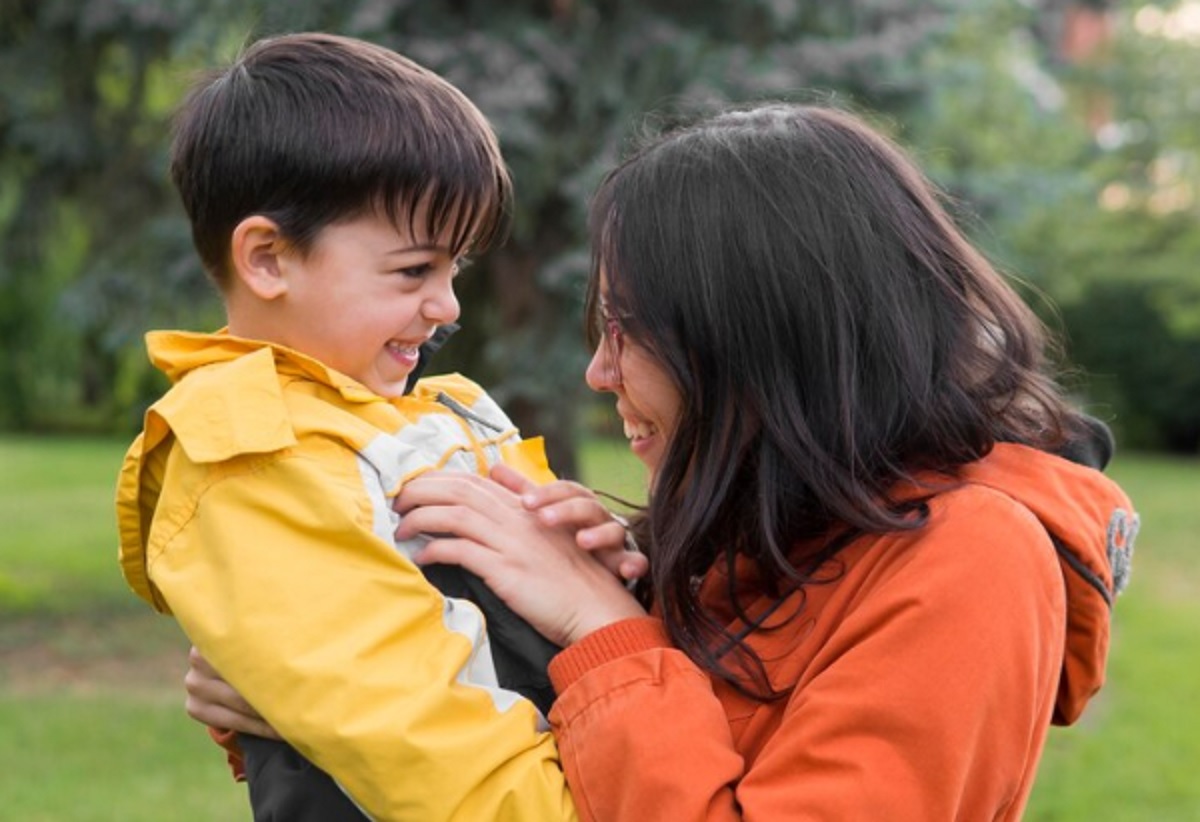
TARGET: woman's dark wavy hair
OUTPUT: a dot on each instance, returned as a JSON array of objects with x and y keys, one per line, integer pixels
[
  {"x": 312, "y": 129},
  {"x": 831, "y": 333}
]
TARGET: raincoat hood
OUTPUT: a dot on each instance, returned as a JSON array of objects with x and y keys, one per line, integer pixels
[{"x": 1092, "y": 525}]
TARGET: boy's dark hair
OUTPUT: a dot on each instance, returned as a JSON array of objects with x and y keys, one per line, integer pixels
[{"x": 312, "y": 129}]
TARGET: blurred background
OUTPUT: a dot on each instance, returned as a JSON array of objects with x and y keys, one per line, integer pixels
[{"x": 1066, "y": 134}]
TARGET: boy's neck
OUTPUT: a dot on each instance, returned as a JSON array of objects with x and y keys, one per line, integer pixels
[{"x": 251, "y": 319}]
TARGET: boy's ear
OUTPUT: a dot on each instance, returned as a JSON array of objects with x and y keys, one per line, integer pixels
[{"x": 256, "y": 249}]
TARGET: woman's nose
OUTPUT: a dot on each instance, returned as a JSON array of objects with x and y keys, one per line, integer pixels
[{"x": 601, "y": 374}]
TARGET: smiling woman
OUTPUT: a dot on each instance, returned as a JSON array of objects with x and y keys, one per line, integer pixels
[
  {"x": 649, "y": 410},
  {"x": 863, "y": 475}
]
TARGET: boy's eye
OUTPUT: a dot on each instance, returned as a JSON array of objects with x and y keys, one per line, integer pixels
[{"x": 415, "y": 271}]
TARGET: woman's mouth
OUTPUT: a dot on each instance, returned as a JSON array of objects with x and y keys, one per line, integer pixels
[{"x": 635, "y": 431}]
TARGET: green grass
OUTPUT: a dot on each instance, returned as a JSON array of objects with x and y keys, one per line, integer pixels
[
  {"x": 1134, "y": 754},
  {"x": 91, "y": 696},
  {"x": 99, "y": 756},
  {"x": 91, "y": 706},
  {"x": 58, "y": 538},
  {"x": 608, "y": 466}
]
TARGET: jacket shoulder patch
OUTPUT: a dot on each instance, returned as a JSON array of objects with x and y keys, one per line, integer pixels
[{"x": 1122, "y": 532}]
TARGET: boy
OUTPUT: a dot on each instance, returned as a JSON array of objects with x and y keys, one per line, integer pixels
[{"x": 333, "y": 188}]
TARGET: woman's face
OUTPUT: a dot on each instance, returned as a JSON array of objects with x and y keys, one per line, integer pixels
[{"x": 647, "y": 401}]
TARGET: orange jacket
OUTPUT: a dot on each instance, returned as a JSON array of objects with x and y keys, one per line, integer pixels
[{"x": 922, "y": 681}]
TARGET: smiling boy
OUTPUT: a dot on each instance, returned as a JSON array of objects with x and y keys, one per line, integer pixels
[{"x": 333, "y": 189}]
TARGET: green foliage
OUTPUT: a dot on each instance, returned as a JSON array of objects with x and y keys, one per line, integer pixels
[
  {"x": 566, "y": 83},
  {"x": 1083, "y": 181},
  {"x": 94, "y": 250},
  {"x": 1141, "y": 364},
  {"x": 82, "y": 137}
]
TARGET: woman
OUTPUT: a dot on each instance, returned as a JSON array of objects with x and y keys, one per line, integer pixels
[{"x": 874, "y": 582}]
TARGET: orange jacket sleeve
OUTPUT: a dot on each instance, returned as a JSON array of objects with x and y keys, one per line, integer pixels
[
  {"x": 924, "y": 681},
  {"x": 227, "y": 739}
]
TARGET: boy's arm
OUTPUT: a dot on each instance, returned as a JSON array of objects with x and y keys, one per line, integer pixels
[{"x": 349, "y": 653}]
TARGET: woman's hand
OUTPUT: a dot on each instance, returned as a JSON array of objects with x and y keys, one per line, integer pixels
[
  {"x": 571, "y": 505},
  {"x": 213, "y": 701},
  {"x": 536, "y": 568}
]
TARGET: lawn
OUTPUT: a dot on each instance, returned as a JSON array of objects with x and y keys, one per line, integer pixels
[{"x": 91, "y": 701}]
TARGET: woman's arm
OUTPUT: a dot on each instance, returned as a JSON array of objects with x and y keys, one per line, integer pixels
[
  {"x": 923, "y": 685},
  {"x": 921, "y": 681}
]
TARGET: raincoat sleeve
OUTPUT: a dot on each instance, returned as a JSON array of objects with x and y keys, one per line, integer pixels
[{"x": 345, "y": 649}]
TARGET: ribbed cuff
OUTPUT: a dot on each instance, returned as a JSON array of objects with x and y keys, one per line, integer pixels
[
  {"x": 228, "y": 740},
  {"x": 623, "y": 638}
]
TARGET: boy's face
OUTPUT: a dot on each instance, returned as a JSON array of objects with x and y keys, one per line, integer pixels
[{"x": 365, "y": 298}]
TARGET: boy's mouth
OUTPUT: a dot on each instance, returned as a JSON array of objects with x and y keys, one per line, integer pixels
[{"x": 406, "y": 354}]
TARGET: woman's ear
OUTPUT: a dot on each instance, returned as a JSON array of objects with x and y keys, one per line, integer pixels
[{"x": 256, "y": 249}]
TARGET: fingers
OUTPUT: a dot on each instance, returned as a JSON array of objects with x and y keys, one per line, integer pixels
[
  {"x": 204, "y": 685},
  {"x": 453, "y": 488},
  {"x": 609, "y": 534},
  {"x": 487, "y": 513},
  {"x": 197, "y": 663},
  {"x": 512, "y": 479},
  {"x": 214, "y": 702},
  {"x": 609, "y": 543},
  {"x": 539, "y": 496},
  {"x": 217, "y": 716},
  {"x": 438, "y": 503},
  {"x": 633, "y": 565},
  {"x": 459, "y": 520},
  {"x": 472, "y": 556},
  {"x": 575, "y": 506}
]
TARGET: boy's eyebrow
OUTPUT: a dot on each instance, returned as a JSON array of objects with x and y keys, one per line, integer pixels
[{"x": 408, "y": 249}]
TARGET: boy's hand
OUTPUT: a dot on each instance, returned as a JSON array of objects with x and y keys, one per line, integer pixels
[{"x": 573, "y": 506}]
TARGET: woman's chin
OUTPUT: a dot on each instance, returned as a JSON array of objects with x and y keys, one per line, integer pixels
[{"x": 648, "y": 450}]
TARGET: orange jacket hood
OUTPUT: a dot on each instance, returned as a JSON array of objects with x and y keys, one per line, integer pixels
[{"x": 1093, "y": 526}]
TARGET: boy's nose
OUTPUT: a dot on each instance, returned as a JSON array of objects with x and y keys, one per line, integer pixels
[{"x": 441, "y": 304}]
